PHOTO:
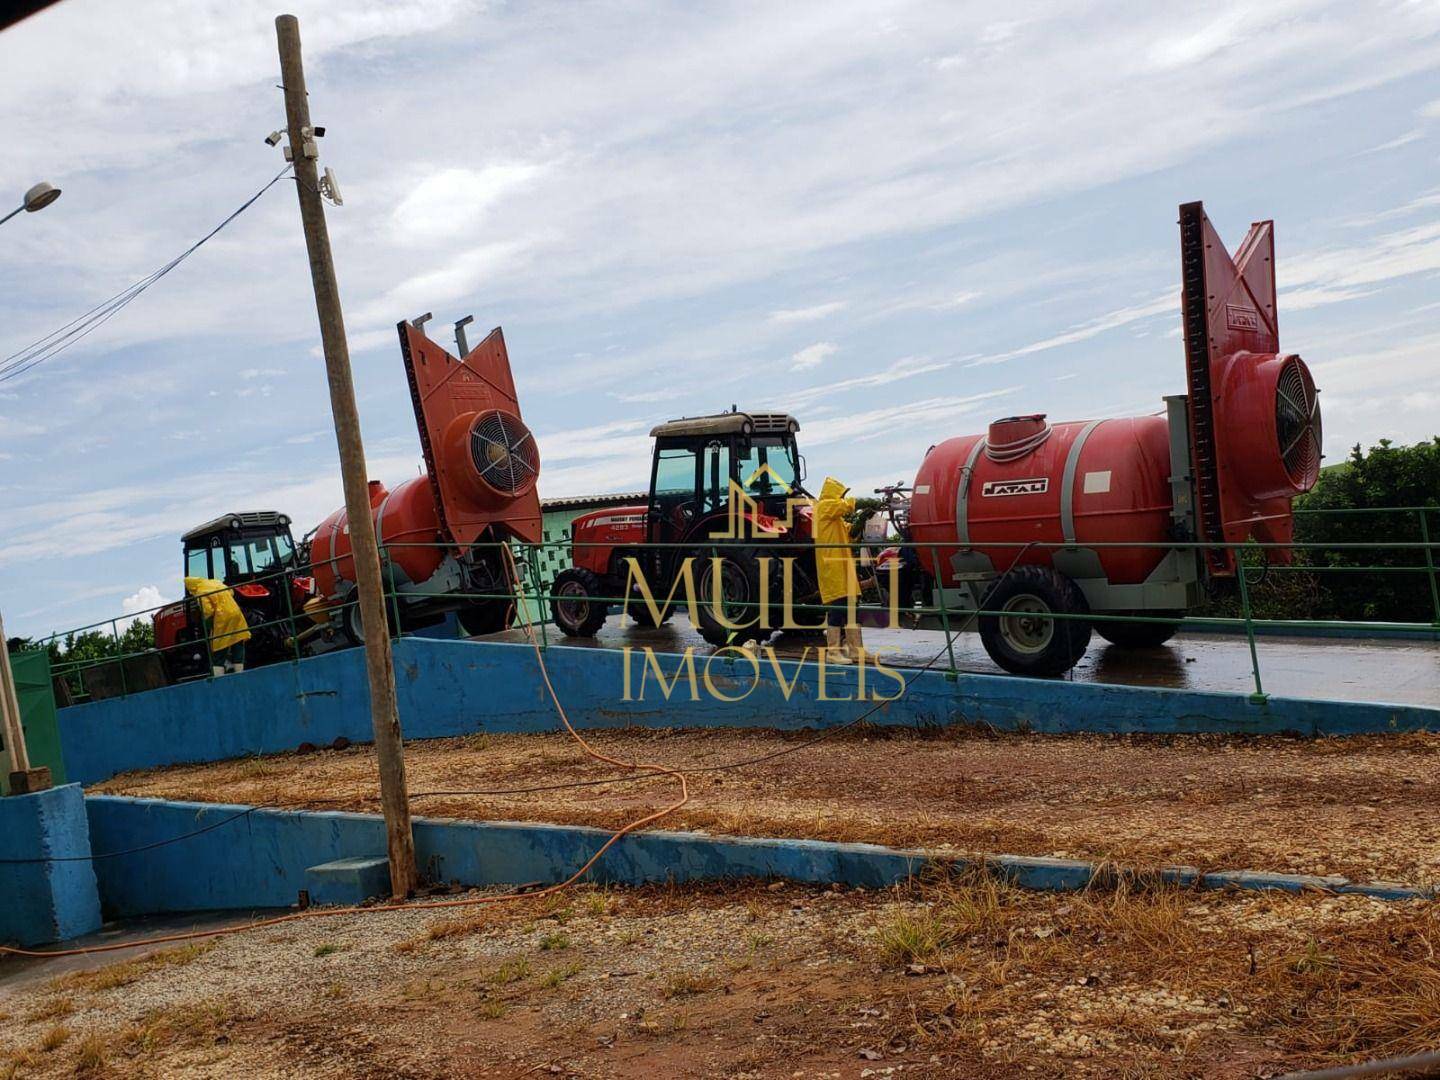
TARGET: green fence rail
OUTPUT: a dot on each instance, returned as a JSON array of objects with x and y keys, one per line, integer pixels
[{"x": 534, "y": 602}]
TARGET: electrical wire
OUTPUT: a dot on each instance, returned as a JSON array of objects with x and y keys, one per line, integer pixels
[{"x": 57, "y": 341}]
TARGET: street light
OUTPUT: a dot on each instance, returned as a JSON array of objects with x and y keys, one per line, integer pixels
[{"x": 37, "y": 198}]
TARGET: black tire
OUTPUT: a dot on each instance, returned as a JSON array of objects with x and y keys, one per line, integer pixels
[
  {"x": 572, "y": 602},
  {"x": 1026, "y": 642},
  {"x": 740, "y": 577},
  {"x": 350, "y": 619},
  {"x": 1140, "y": 635},
  {"x": 638, "y": 612},
  {"x": 486, "y": 617}
]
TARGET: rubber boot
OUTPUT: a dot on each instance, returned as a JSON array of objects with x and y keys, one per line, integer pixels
[
  {"x": 238, "y": 666},
  {"x": 854, "y": 645},
  {"x": 834, "y": 647},
  {"x": 217, "y": 670}
]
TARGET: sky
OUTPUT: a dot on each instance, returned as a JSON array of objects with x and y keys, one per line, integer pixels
[{"x": 896, "y": 220}]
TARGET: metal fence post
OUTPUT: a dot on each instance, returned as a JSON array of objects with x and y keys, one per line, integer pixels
[
  {"x": 1259, "y": 694},
  {"x": 119, "y": 656},
  {"x": 1430, "y": 562},
  {"x": 944, "y": 616}
]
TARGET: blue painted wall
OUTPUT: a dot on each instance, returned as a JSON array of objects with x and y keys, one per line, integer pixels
[
  {"x": 259, "y": 859},
  {"x": 458, "y": 687},
  {"x": 46, "y": 901}
]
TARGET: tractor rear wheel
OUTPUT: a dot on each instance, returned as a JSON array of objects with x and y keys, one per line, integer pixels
[
  {"x": 638, "y": 612},
  {"x": 1140, "y": 635},
  {"x": 573, "y": 599},
  {"x": 738, "y": 593},
  {"x": 1022, "y": 637}
]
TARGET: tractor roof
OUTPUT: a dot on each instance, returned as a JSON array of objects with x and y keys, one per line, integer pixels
[
  {"x": 729, "y": 423},
  {"x": 246, "y": 519}
]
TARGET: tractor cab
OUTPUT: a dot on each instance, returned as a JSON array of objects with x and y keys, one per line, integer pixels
[
  {"x": 254, "y": 553},
  {"x": 703, "y": 463},
  {"x": 725, "y": 491},
  {"x": 239, "y": 548}
]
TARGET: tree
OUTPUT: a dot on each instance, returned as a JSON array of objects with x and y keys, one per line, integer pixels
[{"x": 1355, "y": 503}]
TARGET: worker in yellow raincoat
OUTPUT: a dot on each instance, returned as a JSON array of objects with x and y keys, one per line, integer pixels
[
  {"x": 835, "y": 566},
  {"x": 225, "y": 623}
]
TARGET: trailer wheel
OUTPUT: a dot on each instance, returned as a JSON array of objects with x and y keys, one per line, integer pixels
[
  {"x": 1022, "y": 639},
  {"x": 739, "y": 592},
  {"x": 1140, "y": 635},
  {"x": 350, "y": 619},
  {"x": 485, "y": 617},
  {"x": 572, "y": 599}
]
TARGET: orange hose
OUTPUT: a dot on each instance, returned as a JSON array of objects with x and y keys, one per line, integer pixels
[{"x": 469, "y": 901}]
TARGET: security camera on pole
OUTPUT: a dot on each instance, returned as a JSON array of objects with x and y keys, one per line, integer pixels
[{"x": 384, "y": 713}]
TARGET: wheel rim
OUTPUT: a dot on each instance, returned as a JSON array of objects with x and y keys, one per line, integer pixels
[
  {"x": 1024, "y": 626},
  {"x": 734, "y": 592},
  {"x": 571, "y": 604}
]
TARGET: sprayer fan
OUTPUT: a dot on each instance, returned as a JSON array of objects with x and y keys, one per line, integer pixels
[
  {"x": 1297, "y": 423},
  {"x": 503, "y": 451}
]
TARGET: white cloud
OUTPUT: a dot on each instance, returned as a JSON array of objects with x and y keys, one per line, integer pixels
[
  {"x": 139, "y": 605},
  {"x": 450, "y": 201},
  {"x": 812, "y": 356},
  {"x": 807, "y": 314},
  {"x": 1113, "y": 320}
]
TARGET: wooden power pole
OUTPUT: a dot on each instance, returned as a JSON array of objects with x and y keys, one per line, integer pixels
[
  {"x": 23, "y": 779},
  {"x": 384, "y": 711}
]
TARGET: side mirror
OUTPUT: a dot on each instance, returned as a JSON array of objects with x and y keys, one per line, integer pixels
[{"x": 801, "y": 459}]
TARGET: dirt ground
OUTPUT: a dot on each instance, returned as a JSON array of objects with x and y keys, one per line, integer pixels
[
  {"x": 1363, "y": 807},
  {"x": 967, "y": 978}
]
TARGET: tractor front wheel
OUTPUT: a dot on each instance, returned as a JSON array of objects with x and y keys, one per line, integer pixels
[
  {"x": 574, "y": 598},
  {"x": 1022, "y": 635}
]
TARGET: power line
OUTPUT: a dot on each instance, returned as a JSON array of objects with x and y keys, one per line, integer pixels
[{"x": 57, "y": 341}]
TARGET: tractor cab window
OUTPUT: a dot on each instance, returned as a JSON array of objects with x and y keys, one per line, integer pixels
[
  {"x": 260, "y": 554},
  {"x": 715, "y": 476},
  {"x": 285, "y": 548},
  {"x": 766, "y": 467},
  {"x": 197, "y": 563},
  {"x": 675, "y": 473}
]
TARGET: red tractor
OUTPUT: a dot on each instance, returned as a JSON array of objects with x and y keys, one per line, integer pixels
[
  {"x": 255, "y": 554},
  {"x": 725, "y": 491}
]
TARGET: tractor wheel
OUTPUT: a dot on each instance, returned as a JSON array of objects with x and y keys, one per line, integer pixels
[
  {"x": 638, "y": 612},
  {"x": 572, "y": 599},
  {"x": 486, "y": 617},
  {"x": 739, "y": 591},
  {"x": 1140, "y": 635},
  {"x": 1022, "y": 639}
]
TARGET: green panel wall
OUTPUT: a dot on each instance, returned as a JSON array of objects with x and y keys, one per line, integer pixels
[{"x": 37, "y": 714}]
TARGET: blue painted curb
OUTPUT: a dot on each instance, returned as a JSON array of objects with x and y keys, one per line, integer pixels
[
  {"x": 449, "y": 688},
  {"x": 261, "y": 859}
]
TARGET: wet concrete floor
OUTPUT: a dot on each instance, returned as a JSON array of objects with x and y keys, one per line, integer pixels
[{"x": 1346, "y": 669}]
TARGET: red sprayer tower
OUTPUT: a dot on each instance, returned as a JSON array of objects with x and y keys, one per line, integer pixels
[
  {"x": 1034, "y": 517},
  {"x": 442, "y": 532}
]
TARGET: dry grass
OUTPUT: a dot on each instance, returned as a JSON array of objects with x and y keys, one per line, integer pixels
[
  {"x": 57, "y": 1008},
  {"x": 123, "y": 974},
  {"x": 55, "y": 1038},
  {"x": 1328, "y": 993}
]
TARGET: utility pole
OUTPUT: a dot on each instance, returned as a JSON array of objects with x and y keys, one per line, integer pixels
[{"x": 384, "y": 710}]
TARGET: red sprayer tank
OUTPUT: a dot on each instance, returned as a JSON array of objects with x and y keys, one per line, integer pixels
[
  {"x": 1086, "y": 481},
  {"x": 441, "y": 533},
  {"x": 1023, "y": 517}
]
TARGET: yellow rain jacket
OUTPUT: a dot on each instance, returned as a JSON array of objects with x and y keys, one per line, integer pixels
[
  {"x": 223, "y": 616},
  {"x": 835, "y": 565}
]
